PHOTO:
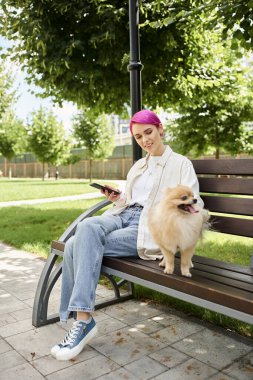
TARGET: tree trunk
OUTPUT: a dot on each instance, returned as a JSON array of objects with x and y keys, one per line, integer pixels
[
  {"x": 90, "y": 170},
  {"x": 9, "y": 169},
  {"x": 43, "y": 171},
  {"x": 217, "y": 153}
]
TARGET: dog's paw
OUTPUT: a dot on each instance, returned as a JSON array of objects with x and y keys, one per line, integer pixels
[
  {"x": 162, "y": 263},
  {"x": 168, "y": 270},
  {"x": 186, "y": 274}
]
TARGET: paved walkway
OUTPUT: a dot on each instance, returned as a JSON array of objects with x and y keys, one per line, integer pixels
[{"x": 136, "y": 340}]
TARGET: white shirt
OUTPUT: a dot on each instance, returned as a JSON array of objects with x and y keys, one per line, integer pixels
[{"x": 144, "y": 183}]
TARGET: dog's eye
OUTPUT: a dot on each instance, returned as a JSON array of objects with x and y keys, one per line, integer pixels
[{"x": 184, "y": 198}]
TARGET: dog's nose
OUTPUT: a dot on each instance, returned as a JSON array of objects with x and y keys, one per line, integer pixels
[{"x": 194, "y": 200}]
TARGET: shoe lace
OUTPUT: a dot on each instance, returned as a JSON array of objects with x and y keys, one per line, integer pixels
[{"x": 72, "y": 334}]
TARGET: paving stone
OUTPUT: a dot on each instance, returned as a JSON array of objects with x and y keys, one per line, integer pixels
[
  {"x": 221, "y": 376},
  {"x": 168, "y": 319},
  {"x": 16, "y": 328},
  {"x": 241, "y": 369},
  {"x": 145, "y": 368},
  {"x": 99, "y": 316},
  {"x": 213, "y": 348},
  {"x": 169, "y": 357},
  {"x": 88, "y": 369},
  {"x": 190, "y": 370},
  {"x": 108, "y": 325},
  {"x": 36, "y": 343},
  {"x": 148, "y": 326},
  {"x": 131, "y": 312},
  {"x": 9, "y": 303},
  {"x": 5, "y": 319},
  {"x": 21, "y": 288},
  {"x": 119, "y": 374},
  {"x": 22, "y": 372},
  {"x": 10, "y": 359},
  {"x": 4, "y": 346},
  {"x": 48, "y": 364},
  {"x": 21, "y": 315},
  {"x": 177, "y": 331},
  {"x": 124, "y": 346}
]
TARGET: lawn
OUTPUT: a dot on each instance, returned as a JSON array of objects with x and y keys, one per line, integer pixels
[
  {"x": 20, "y": 189},
  {"x": 33, "y": 228}
]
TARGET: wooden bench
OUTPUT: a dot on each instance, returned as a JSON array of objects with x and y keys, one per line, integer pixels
[{"x": 226, "y": 187}]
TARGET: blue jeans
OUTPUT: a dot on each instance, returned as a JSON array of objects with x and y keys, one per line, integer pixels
[{"x": 95, "y": 237}]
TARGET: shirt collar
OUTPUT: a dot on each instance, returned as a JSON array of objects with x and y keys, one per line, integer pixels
[{"x": 163, "y": 159}]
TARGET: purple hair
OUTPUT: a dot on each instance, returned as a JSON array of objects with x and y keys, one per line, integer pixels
[{"x": 145, "y": 117}]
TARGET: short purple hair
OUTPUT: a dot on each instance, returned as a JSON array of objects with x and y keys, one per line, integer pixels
[{"x": 144, "y": 117}]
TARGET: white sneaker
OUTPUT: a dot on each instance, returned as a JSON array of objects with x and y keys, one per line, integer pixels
[{"x": 76, "y": 339}]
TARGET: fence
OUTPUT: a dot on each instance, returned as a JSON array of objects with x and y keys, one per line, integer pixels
[{"x": 115, "y": 167}]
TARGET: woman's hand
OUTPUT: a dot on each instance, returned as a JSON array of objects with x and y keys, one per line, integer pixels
[{"x": 111, "y": 196}]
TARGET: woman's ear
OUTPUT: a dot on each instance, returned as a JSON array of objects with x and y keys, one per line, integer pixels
[{"x": 160, "y": 130}]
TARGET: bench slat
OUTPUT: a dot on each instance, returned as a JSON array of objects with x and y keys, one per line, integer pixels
[
  {"x": 221, "y": 274},
  {"x": 239, "y": 206},
  {"x": 229, "y": 166},
  {"x": 233, "y": 226},
  {"x": 240, "y": 186},
  {"x": 196, "y": 286}
]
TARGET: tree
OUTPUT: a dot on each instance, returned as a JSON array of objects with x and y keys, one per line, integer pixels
[
  {"x": 12, "y": 137},
  {"x": 7, "y": 92},
  {"x": 215, "y": 116},
  {"x": 78, "y": 50},
  {"x": 95, "y": 133},
  {"x": 47, "y": 138}
]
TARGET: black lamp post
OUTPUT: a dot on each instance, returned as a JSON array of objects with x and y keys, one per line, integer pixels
[{"x": 135, "y": 68}]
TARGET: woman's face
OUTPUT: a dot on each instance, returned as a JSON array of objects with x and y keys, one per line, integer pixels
[{"x": 149, "y": 137}]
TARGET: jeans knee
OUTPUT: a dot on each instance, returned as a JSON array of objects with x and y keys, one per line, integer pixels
[
  {"x": 68, "y": 249},
  {"x": 86, "y": 226}
]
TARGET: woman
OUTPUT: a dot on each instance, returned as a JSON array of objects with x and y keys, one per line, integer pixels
[{"x": 122, "y": 231}]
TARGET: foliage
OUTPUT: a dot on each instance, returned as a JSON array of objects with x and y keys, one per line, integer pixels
[
  {"x": 12, "y": 136},
  {"x": 79, "y": 51},
  {"x": 235, "y": 16},
  {"x": 47, "y": 138},
  {"x": 7, "y": 94},
  {"x": 218, "y": 104},
  {"x": 95, "y": 133}
]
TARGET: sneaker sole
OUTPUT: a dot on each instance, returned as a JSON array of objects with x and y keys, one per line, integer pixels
[{"x": 75, "y": 351}]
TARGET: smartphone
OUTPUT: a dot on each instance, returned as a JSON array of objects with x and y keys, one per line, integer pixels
[{"x": 98, "y": 186}]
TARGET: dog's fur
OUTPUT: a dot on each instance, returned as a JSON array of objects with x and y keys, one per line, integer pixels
[{"x": 176, "y": 223}]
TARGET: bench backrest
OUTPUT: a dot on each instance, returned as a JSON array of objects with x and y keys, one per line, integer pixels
[{"x": 226, "y": 187}]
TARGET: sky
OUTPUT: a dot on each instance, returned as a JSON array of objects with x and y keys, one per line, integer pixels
[{"x": 28, "y": 102}]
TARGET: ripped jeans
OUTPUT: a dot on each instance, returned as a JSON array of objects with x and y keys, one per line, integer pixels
[{"x": 95, "y": 237}]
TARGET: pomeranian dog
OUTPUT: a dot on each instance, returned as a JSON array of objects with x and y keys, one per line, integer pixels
[{"x": 176, "y": 223}]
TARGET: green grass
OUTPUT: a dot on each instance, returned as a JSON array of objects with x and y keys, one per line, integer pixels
[
  {"x": 33, "y": 228},
  {"x": 20, "y": 189}
]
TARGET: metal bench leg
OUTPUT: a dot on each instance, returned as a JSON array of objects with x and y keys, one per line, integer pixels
[
  {"x": 45, "y": 286},
  {"x": 46, "y": 283},
  {"x": 118, "y": 296}
]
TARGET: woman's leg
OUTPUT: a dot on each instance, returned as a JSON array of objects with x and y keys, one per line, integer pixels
[
  {"x": 94, "y": 237},
  {"x": 82, "y": 262}
]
